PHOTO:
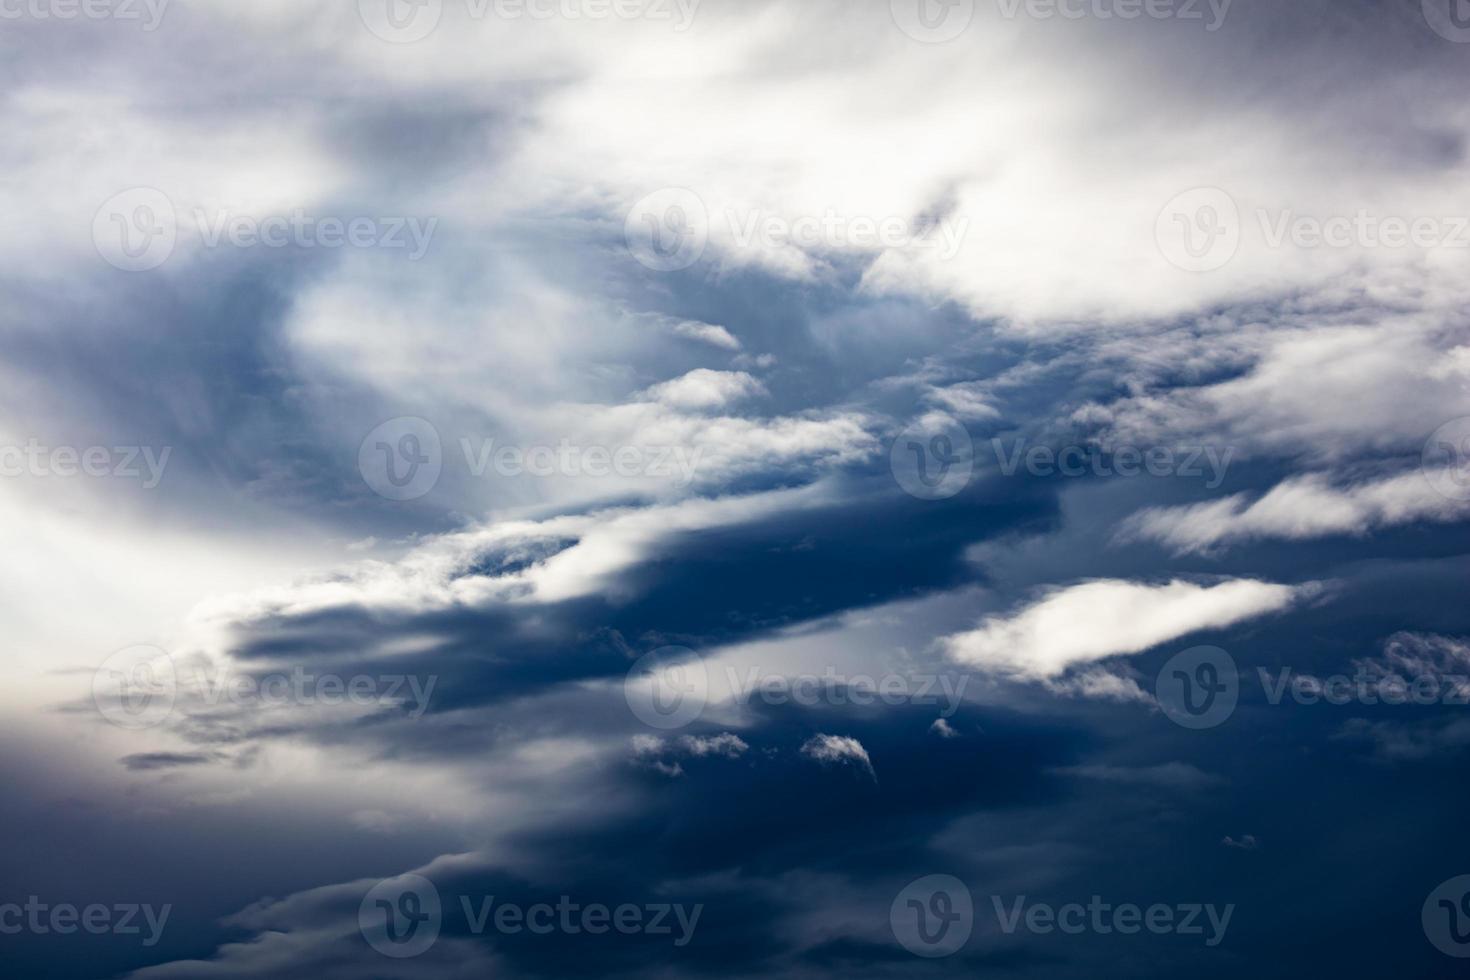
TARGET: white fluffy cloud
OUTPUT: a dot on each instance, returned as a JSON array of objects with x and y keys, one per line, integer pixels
[
  {"x": 1317, "y": 385},
  {"x": 709, "y": 333},
  {"x": 703, "y": 388},
  {"x": 838, "y": 750},
  {"x": 1035, "y": 145},
  {"x": 1094, "y": 620},
  {"x": 1296, "y": 509},
  {"x": 434, "y": 575}
]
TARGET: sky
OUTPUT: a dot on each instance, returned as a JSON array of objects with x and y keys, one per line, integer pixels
[{"x": 734, "y": 488}]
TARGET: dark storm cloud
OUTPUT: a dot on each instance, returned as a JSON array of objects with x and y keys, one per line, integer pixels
[
  {"x": 726, "y": 833},
  {"x": 856, "y": 554},
  {"x": 148, "y": 761}
]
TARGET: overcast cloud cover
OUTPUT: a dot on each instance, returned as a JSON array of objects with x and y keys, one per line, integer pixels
[{"x": 840, "y": 488}]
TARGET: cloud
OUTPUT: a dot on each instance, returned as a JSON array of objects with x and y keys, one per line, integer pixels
[
  {"x": 1302, "y": 507},
  {"x": 1036, "y": 156},
  {"x": 1426, "y": 664},
  {"x": 709, "y": 333},
  {"x": 316, "y": 933},
  {"x": 149, "y": 761},
  {"x": 1175, "y": 775},
  {"x": 507, "y": 562},
  {"x": 725, "y": 745},
  {"x": 703, "y": 388},
  {"x": 943, "y": 729},
  {"x": 1393, "y": 741},
  {"x": 968, "y": 400},
  {"x": 657, "y": 752},
  {"x": 838, "y": 750},
  {"x": 728, "y": 745},
  {"x": 1320, "y": 381},
  {"x": 1412, "y": 654},
  {"x": 1247, "y": 842},
  {"x": 1098, "y": 682},
  {"x": 1082, "y": 623}
]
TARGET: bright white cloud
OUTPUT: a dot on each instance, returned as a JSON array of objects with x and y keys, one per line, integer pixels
[
  {"x": 943, "y": 729},
  {"x": 1094, "y": 620},
  {"x": 1314, "y": 385},
  {"x": 1100, "y": 683},
  {"x": 434, "y": 575},
  {"x": 1296, "y": 509},
  {"x": 703, "y": 388},
  {"x": 726, "y": 745},
  {"x": 709, "y": 333},
  {"x": 838, "y": 750}
]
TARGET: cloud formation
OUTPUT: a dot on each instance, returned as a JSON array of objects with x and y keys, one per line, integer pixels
[
  {"x": 1092, "y": 621},
  {"x": 1301, "y": 508}
]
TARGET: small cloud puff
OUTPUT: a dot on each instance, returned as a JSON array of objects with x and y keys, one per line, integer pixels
[
  {"x": 705, "y": 389},
  {"x": 708, "y": 333},
  {"x": 943, "y": 729},
  {"x": 726, "y": 745},
  {"x": 1247, "y": 842},
  {"x": 838, "y": 750}
]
